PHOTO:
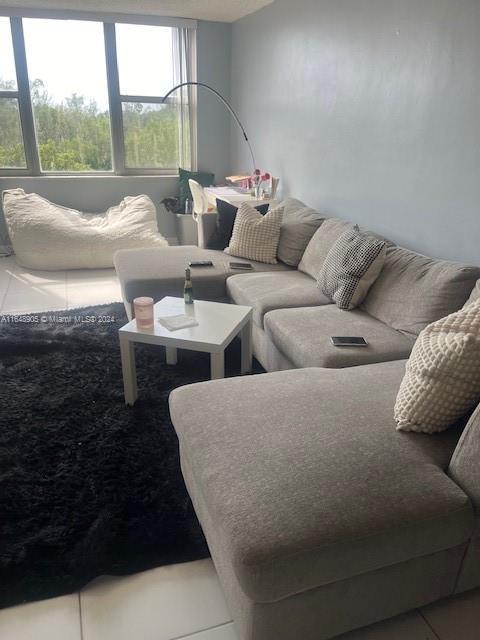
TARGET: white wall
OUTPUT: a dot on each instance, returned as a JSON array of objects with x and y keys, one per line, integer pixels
[
  {"x": 369, "y": 110},
  {"x": 89, "y": 193}
]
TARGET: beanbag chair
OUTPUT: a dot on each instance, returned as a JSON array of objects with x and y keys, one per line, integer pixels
[{"x": 50, "y": 237}]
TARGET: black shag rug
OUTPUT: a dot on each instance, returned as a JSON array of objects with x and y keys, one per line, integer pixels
[{"x": 88, "y": 486}]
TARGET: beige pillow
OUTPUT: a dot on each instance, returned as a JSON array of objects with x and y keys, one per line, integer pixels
[
  {"x": 442, "y": 378},
  {"x": 255, "y": 237}
]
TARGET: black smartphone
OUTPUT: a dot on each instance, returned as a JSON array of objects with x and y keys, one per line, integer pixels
[
  {"x": 200, "y": 263},
  {"x": 349, "y": 341},
  {"x": 241, "y": 265}
]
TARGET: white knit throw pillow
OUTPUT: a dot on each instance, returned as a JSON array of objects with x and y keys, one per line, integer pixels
[
  {"x": 254, "y": 236},
  {"x": 442, "y": 378}
]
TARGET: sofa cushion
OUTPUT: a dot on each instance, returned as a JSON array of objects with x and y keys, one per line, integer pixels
[
  {"x": 465, "y": 471},
  {"x": 320, "y": 244},
  {"x": 298, "y": 226},
  {"x": 304, "y": 337},
  {"x": 442, "y": 378},
  {"x": 161, "y": 272},
  {"x": 464, "y": 467},
  {"x": 275, "y": 290},
  {"x": 413, "y": 290},
  {"x": 307, "y": 480},
  {"x": 351, "y": 267}
]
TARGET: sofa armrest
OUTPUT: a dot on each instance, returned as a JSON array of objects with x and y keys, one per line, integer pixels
[
  {"x": 207, "y": 224},
  {"x": 464, "y": 466}
]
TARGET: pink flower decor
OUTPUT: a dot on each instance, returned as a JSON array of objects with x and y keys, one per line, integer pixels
[
  {"x": 256, "y": 180},
  {"x": 258, "y": 177}
]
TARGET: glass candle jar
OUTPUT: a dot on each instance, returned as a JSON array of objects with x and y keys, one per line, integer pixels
[{"x": 143, "y": 309}]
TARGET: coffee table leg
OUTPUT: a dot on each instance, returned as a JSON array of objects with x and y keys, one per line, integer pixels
[
  {"x": 127, "y": 352},
  {"x": 246, "y": 338},
  {"x": 217, "y": 365},
  {"x": 171, "y": 355}
]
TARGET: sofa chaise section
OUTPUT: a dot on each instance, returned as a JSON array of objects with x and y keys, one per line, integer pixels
[
  {"x": 320, "y": 516},
  {"x": 465, "y": 470}
]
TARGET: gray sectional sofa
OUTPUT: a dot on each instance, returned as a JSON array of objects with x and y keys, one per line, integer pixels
[
  {"x": 293, "y": 320},
  {"x": 319, "y": 515}
]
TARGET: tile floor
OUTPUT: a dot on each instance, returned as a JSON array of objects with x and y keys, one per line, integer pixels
[
  {"x": 181, "y": 601},
  {"x": 23, "y": 291}
]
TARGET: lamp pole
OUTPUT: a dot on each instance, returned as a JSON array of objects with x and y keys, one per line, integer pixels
[{"x": 225, "y": 102}]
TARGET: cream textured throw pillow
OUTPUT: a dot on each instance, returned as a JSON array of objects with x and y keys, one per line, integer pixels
[
  {"x": 442, "y": 378},
  {"x": 254, "y": 236}
]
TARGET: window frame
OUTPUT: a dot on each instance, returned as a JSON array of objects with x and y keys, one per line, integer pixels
[{"x": 115, "y": 98}]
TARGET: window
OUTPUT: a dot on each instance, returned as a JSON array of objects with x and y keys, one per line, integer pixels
[
  {"x": 84, "y": 96},
  {"x": 69, "y": 94},
  {"x": 150, "y": 135},
  {"x": 8, "y": 78},
  {"x": 12, "y": 152},
  {"x": 145, "y": 58}
]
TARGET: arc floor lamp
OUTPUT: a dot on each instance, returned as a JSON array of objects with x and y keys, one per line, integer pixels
[{"x": 225, "y": 102}]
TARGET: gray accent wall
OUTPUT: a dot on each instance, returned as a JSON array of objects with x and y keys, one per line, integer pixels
[
  {"x": 214, "y": 41},
  {"x": 96, "y": 194},
  {"x": 369, "y": 110}
]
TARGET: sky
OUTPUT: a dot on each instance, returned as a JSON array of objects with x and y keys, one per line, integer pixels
[{"x": 68, "y": 55}]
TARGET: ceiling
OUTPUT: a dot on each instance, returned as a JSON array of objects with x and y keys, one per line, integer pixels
[{"x": 217, "y": 10}]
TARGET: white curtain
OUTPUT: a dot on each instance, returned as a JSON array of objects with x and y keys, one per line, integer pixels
[{"x": 184, "y": 43}]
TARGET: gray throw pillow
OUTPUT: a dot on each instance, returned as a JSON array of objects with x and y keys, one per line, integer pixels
[
  {"x": 298, "y": 226},
  {"x": 351, "y": 267}
]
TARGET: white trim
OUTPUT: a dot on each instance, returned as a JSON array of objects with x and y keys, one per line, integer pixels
[{"x": 69, "y": 14}]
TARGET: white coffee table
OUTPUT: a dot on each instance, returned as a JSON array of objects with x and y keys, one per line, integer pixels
[{"x": 218, "y": 324}]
